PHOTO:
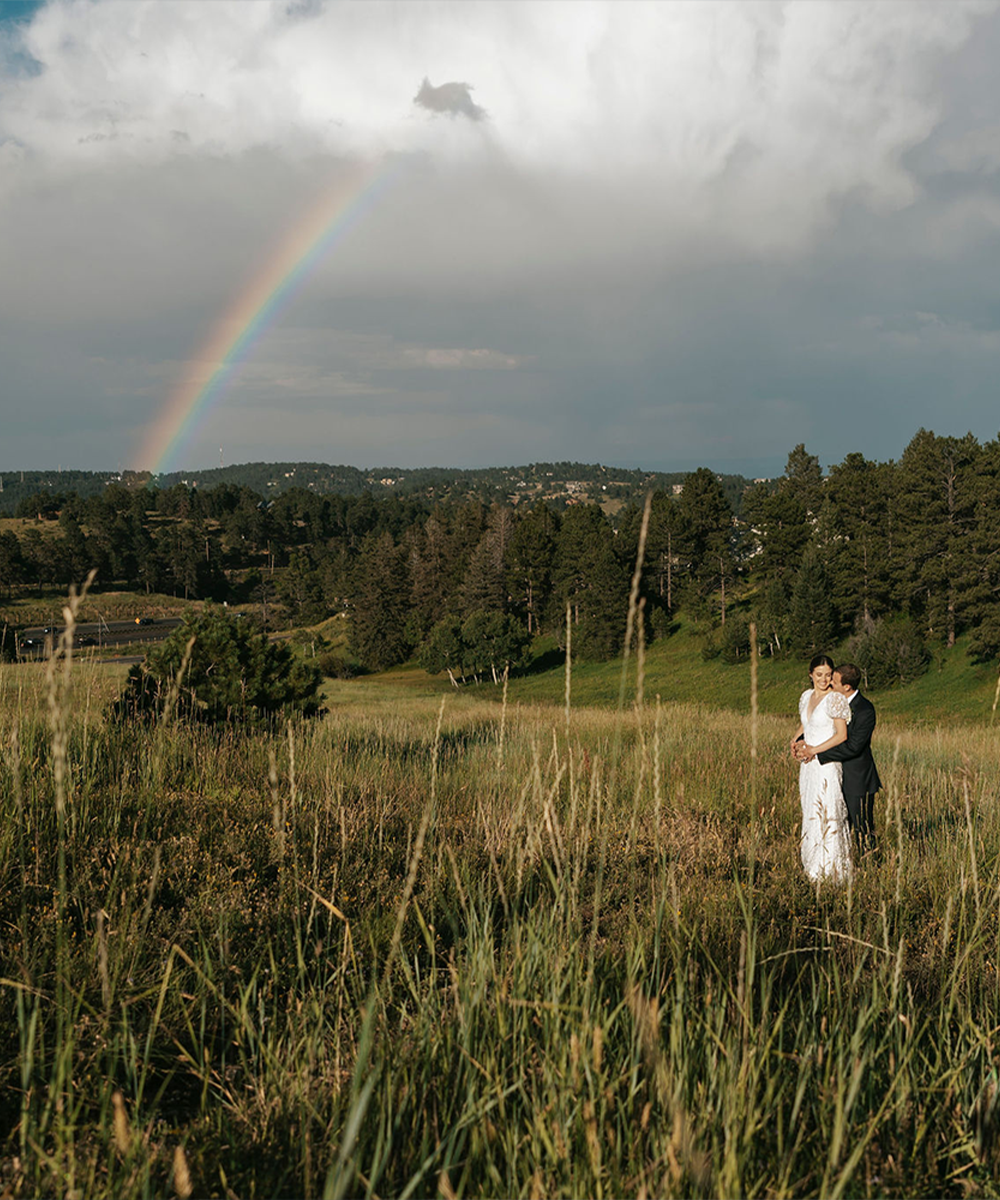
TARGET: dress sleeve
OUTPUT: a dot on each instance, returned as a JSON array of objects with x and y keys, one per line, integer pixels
[{"x": 840, "y": 706}]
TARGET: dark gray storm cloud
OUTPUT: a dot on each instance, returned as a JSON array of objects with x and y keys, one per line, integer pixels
[
  {"x": 683, "y": 233},
  {"x": 455, "y": 99}
]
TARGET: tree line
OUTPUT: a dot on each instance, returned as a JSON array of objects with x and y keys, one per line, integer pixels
[
  {"x": 899, "y": 555},
  {"x": 25, "y": 493}
]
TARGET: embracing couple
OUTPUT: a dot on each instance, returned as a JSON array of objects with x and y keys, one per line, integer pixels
[{"x": 837, "y": 776}]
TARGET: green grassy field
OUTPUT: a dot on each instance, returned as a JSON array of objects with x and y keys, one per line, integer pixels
[
  {"x": 954, "y": 689},
  {"x": 432, "y": 944}
]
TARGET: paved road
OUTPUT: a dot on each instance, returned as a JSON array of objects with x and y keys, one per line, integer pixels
[{"x": 107, "y": 633}]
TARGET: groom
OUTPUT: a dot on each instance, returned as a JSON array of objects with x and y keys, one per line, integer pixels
[{"x": 861, "y": 781}]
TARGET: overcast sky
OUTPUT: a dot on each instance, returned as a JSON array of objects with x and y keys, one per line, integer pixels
[{"x": 659, "y": 234}]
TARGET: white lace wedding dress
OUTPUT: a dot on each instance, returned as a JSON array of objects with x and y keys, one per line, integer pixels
[{"x": 826, "y": 839}]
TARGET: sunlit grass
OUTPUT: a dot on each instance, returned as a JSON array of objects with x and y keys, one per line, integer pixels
[
  {"x": 954, "y": 689},
  {"x": 485, "y": 950}
]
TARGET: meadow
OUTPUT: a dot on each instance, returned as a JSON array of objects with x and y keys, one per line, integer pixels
[{"x": 443, "y": 944}]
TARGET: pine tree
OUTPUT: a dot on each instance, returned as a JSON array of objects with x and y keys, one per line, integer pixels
[
  {"x": 530, "y": 559},
  {"x": 232, "y": 673},
  {"x": 803, "y": 479},
  {"x": 429, "y": 560},
  {"x": 149, "y": 570},
  {"x": 780, "y": 521},
  {"x": 938, "y": 484},
  {"x": 466, "y": 526},
  {"x": 771, "y": 613},
  {"x": 588, "y": 576},
  {"x": 856, "y": 529},
  {"x": 707, "y": 520},
  {"x": 302, "y": 591},
  {"x": 484, "y": 586},
  {"x": 81, "y": 555},
  {"x": 380, "y": 604},
  {"x": 665, "y": 541},
  {"x": 982, "y": 610},
  {"x": 812, "y": 617},
  {"x": 11, "y": 562}
]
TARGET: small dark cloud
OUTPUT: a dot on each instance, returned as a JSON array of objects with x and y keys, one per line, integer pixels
[
  {"x": 455, "y": 99},
  {"x": 113, "y": 136},
  {"x": 300, "y": 9}
]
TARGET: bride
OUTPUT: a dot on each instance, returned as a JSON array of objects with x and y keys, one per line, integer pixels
[{"x": 825, "y": 713}]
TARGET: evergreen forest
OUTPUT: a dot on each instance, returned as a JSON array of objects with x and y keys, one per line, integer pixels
[{"x": 897, "y": 556}]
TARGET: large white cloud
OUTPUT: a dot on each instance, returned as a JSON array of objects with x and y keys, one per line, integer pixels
[{"x": 765, "y": 109}]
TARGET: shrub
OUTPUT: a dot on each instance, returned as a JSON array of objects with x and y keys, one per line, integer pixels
[
  {"x": 336, "y": 666},
  {"x": 228, "y": 671},
  {"x": 660, "y": 624},
  {"x": 711, "y": 646},
  {"x": 734, "y": 639},
  {"x": 984, "y": 643},
  {"x": 8, "y": 642}
]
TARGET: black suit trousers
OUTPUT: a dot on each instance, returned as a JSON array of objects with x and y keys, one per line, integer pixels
[{"x": 861, "y": 819}]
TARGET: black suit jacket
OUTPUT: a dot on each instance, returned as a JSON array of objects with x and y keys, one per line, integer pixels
[{"x": 860, "y": 775}]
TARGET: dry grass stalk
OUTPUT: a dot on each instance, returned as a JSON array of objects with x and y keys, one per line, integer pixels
[
  {"x": 122, "y": 1132},
  {"x": 754, "y": 710},
  {"x": 102, "y": 959},
  {"x": 182, "y": 1175},
  {"x": 633, "y": 596},
  {"x": 503, "y": 717},
  {"x": 640, "y": 666},
  {"x": 59, "y": 675},
  {"x": 174, "y": 691},
  {"x": 569, "y": 663}
]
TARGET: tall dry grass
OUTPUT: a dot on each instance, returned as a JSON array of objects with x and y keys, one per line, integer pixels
[{"x": 483, "y": 950}]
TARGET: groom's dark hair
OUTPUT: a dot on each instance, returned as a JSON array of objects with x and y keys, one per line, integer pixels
[{"x": 849, "y": 674}]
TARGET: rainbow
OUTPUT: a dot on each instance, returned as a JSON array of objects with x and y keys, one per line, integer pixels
[{"x": 254, "y": 310}]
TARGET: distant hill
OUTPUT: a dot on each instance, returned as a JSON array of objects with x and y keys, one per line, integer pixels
[
  {"x": 561, "y": 482},
  {"x": 16, "y": 486}
]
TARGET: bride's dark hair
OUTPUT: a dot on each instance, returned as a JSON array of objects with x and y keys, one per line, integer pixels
[{"x": 821, "y": 660}]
